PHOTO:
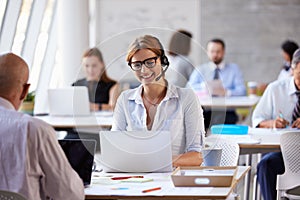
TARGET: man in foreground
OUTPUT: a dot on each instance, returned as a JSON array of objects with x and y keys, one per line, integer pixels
[{"x": 32, "y": 162}]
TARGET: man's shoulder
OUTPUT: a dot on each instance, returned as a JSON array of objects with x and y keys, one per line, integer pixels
[
  {"x": 202, "y": 68},
  {"x": 232, "y": 65},
  {"x": 34, "y": 124},
  {"x": 280, "y": 83},
  {"x": 203, "y": 65}
]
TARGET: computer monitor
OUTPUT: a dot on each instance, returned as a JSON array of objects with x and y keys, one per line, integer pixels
[{"x": 135, "y": 151}]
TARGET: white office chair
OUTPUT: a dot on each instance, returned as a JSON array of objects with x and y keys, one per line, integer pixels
[
  {"x": 288, "y": 184},
  {"x": 230, "y": 157},
  {"x": 9, "y": 195},
  {"x": 230, "y": 152}
]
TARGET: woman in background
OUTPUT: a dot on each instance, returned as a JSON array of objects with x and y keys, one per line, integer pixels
[
  {"x": 103, "y": 91},
  {"x": 157, "y": 105},
  {"x": 180, "y": 65},
  {"x": 287, "y": 50}
]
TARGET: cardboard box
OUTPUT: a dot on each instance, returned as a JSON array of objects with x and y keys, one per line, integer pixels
[{"x": 203, "y": 176}]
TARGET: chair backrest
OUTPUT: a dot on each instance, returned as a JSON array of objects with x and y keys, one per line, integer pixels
[
  {"x": 9, "y": 195},
  {"x": 290, "y": 148},
  {"x": 230, "y": 152}
]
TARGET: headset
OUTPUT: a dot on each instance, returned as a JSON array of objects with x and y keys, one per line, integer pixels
[
  {"x": 163, "y": 59},
  {"x": 164, "y": 63}
]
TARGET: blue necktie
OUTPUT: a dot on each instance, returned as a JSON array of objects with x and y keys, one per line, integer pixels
[{"x": 217, "y": 75}]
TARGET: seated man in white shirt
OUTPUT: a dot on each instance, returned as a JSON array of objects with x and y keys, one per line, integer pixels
[
  {"x": 278, "y": 108},
  {"x": 32, "y": 162}
]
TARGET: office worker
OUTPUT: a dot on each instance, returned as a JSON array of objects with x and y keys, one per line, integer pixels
[
  {"x": 278, "y": 107},
  {"x": 180, "y": 65},
  {"x": 159, "y": 105},
  {"x": 32, "y": 162},
  {"x": 103, "y": 91},
  {"x": 287, "y": 50},
  {"x": 217, "y": 69}
]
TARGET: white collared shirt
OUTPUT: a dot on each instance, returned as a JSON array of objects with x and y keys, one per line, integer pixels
[
  {"x": 32, "y": 162},
  {"x": 179, "y": 112},
  {"x": 279, "y": 97},
  {"x": 220, "y": 65}
]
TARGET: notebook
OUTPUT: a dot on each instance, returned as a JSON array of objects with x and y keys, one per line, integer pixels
[
  {"x": 80, "y": 154},
  {"x": 135, "y": 151},
  {"x": 69, "y": 101}
]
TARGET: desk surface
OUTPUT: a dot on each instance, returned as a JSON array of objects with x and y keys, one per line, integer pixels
[
  {"x": 229, "y": 102},
  {"x": 258, "y": 140},
  {"x": 99, "y": 119},
  {"x": 104, "y": 188}
]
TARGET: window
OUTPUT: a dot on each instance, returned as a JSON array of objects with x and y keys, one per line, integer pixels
[
  {"x": 2, "y": 11},
  {"x": 22, "y": 27}
]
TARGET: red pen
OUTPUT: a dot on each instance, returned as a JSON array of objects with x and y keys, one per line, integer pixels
[
  {"x": 151, "y": 189},
  {"x": 125, "y": 177}
]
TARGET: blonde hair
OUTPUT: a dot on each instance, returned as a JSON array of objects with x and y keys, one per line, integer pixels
[{"x": 96, "y": 52}]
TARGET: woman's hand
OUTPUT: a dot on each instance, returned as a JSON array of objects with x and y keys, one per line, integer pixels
[{"x": 94, "y": 106}]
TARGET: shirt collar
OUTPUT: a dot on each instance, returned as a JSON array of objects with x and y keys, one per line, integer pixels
[
  {"x": 6, "y": 104},
  {"x": 221, "y": 65},
  {"x": 292, "y": 87},
  {"x": 137, "y": 94}
]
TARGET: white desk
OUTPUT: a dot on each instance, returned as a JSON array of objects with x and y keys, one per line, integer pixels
[
  {"x": 104, "y": 188},
  {"x": 268, "y": 140},
  {"x": 96, "y": 120},
  {"x": 228, "y": 102}
]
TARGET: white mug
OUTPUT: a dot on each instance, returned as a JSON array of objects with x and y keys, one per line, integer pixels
[{"x": 211, "y": 156}]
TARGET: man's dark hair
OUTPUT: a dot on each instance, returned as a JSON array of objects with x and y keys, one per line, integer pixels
[
  {"x": 217, "y": 40},
  {"x": 289, "y": 47}
]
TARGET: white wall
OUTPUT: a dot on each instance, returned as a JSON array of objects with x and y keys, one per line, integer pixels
[
  {"x": 253, "y": 30},
  {"x": 119, "y": 22}
]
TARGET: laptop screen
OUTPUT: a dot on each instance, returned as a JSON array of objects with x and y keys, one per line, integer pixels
[
  {"x": 80, "y": 154},
  {"x": 136, "y": 151},
  {"x": 69, "y": 101}
]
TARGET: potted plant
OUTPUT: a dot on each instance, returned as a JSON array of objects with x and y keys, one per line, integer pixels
[{"x": 28, "y": 103}]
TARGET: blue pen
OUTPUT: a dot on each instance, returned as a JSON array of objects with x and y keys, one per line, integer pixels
[
  {"x": 120, "y": 188},
  {"x": 281, "y": 116}
]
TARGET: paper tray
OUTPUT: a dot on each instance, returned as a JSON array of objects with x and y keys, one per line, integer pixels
[{"x": 203, "y": 176}]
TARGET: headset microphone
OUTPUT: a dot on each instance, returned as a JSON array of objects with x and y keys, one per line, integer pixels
[{"x": 162, "y": 73}]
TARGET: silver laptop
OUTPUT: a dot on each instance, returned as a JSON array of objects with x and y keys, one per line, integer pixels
[
  {"x": 69, "y": 101},
  {"x": 135, "y": 151}
]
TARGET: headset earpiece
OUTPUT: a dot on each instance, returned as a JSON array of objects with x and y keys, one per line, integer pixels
[{"x": 164, "y": 60}]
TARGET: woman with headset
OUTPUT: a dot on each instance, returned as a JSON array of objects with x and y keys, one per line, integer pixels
[{"x": 157, "y": 105}]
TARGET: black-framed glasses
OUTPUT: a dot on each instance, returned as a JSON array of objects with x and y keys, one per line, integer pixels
[{"x": 137, "y": 65}]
